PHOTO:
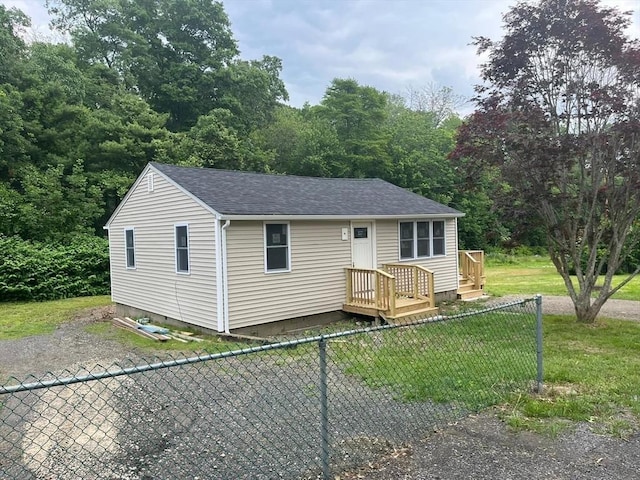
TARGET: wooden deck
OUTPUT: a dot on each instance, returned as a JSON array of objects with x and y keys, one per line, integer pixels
[{"x": 394, "y": 292}]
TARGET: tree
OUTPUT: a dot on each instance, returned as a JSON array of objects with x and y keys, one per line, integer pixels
[
  {"x": 179, "y": 55},
  {"x": 440, "y": 102},
  {"x": 357, "y": 113},
  {"x": 12, "y": 47},
  {"x": 559, "y": 114}
]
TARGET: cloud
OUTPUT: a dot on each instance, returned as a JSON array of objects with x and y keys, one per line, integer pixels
[{"x": 388, "y": 44}]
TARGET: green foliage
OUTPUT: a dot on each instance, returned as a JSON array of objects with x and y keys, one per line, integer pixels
[{"x": 40, "y": 271}]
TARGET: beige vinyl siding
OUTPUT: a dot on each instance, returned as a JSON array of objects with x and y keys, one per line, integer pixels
[
  {"x": 154, "y": 285},
  {"x": 445, "y": 268},
  {"x": 315, "y": 284}
]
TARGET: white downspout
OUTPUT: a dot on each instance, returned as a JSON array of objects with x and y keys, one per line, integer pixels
[{"x": 225, "y": 289}]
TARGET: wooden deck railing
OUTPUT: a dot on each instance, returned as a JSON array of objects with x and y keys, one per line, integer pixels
[
  {"x": 412, "y": 281},
  {"x": 472, "y": 266},
  {"x": 371, "y": 288}
]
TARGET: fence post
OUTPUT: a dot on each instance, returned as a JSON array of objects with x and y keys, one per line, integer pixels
[
  {"x": 324, "y": 419},
  {"x": 539, "y": 340}
]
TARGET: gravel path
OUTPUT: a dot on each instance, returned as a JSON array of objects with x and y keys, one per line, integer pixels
[{"x": 614, "y": 308}]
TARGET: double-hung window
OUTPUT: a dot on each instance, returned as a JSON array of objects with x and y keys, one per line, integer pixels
[
  {"x": 276, "y": 247},
  {"x": 421, "y": 239},
  {"x": 182, "y": 248},
  {"x": 130, "y": 247}
]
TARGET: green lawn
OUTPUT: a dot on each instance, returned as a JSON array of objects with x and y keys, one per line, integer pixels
[
  {"x": 24, "y": 319},
  {"x": 531, "y": 275},
  {"x": 592, "y": 373}
]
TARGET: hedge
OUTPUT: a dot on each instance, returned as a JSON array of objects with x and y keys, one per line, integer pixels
[{"x": 38, "y": 271}]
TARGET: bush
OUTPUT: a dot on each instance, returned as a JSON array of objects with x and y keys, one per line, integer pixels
[{"x": 40, "y": 271}]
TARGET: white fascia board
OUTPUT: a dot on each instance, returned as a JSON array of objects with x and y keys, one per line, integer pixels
[
  {"x": 141, "y": 178},
  {"x": 338, "y": 217}
]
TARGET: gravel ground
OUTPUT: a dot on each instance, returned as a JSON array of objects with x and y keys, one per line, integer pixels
[
  {"x": 163, "y": 424},
  {"x": 614, "y": 308}
]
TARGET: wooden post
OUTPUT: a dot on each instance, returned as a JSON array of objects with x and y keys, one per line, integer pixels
[
  {"x": 349, "y": 286},
  {"x": 432, "y": 300},
  {"x": 392, "y": 297},
  {"x": 415, "y": 282}
]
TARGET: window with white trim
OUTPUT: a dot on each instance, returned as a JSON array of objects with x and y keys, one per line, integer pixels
[
  {"x": 276, "y": 247},
  {"x": 182, "y": 248},
  {"x": 130, "y": 247},
  {"x": 438, "y": 237},
  {"x": 421, "y": 239}
]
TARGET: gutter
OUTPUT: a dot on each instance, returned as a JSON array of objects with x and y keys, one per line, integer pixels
[{"x": 271, "y": 217}]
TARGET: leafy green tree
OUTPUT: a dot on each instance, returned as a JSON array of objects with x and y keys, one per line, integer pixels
[
  {"x": 357, "y": 113},
  {"x": 559, "y": 115},
  {"x": 180, "y": 55},
  {"x": 12, "y": 47},
  {"x": 54, "y": 206},
  {"x": 303, "y": 144}
]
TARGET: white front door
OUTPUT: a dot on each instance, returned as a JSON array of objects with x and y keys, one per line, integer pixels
[{"x": 362, "y": 245}]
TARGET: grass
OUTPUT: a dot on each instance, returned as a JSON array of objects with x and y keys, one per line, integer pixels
[
  {"x": 24, "y": 319},
  {"x": 592, "y": 373},
  {"x": 474, "y": 361},
  {"x": 508, "y": 275}
]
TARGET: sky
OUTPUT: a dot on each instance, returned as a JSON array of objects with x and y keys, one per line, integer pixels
[{"x": 392, "y": 45}]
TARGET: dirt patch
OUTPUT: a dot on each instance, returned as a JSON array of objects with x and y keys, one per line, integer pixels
[{"x": 482, "y": 447}]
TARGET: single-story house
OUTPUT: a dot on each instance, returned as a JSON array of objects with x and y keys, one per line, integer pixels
[{"x": 230, "y": 251}]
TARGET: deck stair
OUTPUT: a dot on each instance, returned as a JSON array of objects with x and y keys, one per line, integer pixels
[{"x": 472, "y": 277}]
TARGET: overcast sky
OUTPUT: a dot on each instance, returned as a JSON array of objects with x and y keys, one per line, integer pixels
[{"x": 391, "y": 45}]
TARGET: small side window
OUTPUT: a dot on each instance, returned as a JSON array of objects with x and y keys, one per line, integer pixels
[
  {"x": 182, "y": 249},
  {"x": 130, "y": 247},
  {"x": 276, "y": 247}
]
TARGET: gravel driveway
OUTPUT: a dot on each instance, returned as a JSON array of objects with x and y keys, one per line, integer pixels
[{"x": 162, "y": 435}]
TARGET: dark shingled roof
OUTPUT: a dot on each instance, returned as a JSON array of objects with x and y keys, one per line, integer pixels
[{"x": 245, "y": 193}]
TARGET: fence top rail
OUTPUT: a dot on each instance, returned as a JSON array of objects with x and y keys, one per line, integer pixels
[
  {"x": 424, "y": 269},
  {"x": 370, "y": 270},
  {"x": 469, "y": 257},
  {"x": 117, "y": 372}
]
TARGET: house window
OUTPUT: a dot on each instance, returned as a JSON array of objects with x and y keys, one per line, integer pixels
[
  {"x": 438, "y": 237},
  {"x": 421, "y": 239},
  {"x": 182, "y": 248},
  {"x": 276, "y": 247},
  {"x": 130, "y": 248},
  {"x": 406, "y": 240}
]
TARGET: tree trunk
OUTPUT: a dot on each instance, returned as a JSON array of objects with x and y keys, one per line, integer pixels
[{"x": 585, "y": 311}]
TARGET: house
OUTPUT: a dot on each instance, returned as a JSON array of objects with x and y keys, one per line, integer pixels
[{"x": 232, "y": 251}]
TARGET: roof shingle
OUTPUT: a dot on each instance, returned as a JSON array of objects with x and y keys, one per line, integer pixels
[{"x": 245, "y": 193}]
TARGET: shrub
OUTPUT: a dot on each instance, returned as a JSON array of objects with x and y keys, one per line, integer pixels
[{"x": 39, "y": 271}]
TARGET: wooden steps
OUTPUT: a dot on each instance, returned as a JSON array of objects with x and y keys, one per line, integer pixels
[{"x": 467, "y": 290}]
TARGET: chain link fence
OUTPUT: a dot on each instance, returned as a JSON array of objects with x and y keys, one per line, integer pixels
[{"x": 303, "y": 408}]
